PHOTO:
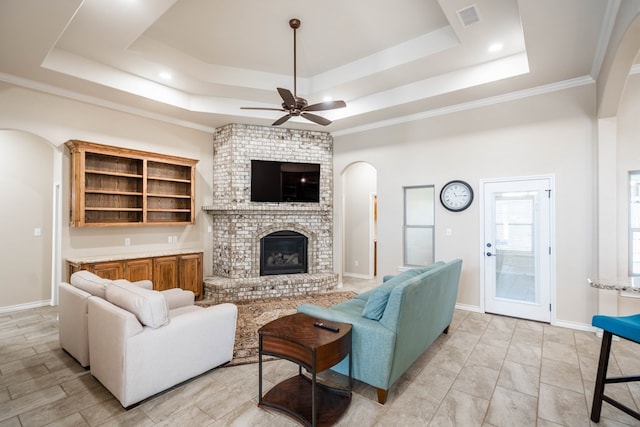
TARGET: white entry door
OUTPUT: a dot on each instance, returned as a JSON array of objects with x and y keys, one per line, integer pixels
[{"x": 517, "y": 248}]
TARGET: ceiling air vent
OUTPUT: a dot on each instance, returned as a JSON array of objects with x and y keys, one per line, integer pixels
[{"x": 468, "y": 15}]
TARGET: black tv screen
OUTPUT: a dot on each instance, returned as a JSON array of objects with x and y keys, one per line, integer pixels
[{"x": 273, "y": 181}]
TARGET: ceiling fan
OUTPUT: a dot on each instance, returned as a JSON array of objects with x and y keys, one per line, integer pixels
[{"x": 294, "y": 105}]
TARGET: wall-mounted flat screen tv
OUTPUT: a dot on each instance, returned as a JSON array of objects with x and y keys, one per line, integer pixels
[{"x": 273, "y": 181}]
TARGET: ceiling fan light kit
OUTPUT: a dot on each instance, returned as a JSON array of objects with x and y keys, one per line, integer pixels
[{"x": 292, "y": 104}]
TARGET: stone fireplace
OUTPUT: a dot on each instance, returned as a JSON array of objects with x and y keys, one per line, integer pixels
[{"x": 297, "y": 237}]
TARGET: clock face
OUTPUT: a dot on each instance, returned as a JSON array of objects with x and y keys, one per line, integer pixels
[{"x": 456, "y": 196}]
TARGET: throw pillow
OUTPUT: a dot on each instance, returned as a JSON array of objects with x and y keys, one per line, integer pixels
[
  {"x": 377, "y": 302},
  {"x": 149, "y": 307},
  {"x": 90, "y": 282}
]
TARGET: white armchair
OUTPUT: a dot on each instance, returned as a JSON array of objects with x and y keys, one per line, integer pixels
[
  {"x": 139, "y": 348},
  {"x": 72, "y": 308}
]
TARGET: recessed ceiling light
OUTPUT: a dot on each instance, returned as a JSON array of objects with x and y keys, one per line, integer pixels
[
  {"x": 495, "y": 47},
  {"x": 165, "y": 75}
]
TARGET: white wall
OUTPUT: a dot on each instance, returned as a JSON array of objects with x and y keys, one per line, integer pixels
[
  {"x": 57, "y": 120},
  {"x": 628, "y": 151},
  {"x": 27, "y": 175},
  {"x": 546, "y": 134}
]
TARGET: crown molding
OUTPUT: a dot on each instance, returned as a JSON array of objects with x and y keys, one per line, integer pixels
[
  {"x": 539, "y": 90},
  {"x": 75, "y": 96}
]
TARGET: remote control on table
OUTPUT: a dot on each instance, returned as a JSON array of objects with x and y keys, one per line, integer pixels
[{"x": 325, "y": 326}]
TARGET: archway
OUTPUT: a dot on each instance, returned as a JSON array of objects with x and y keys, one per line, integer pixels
[
  {"x": 29, "y": 222},
  {"x": 623, "y": 50},
  {"x": 615, "y": 71},
  {"x": 359, "y": 184}
]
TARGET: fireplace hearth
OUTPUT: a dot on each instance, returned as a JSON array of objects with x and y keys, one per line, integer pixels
[{"x": 283, "y": 252}]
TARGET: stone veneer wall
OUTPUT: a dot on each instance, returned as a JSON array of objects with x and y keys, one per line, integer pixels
[{"x": 239, "y": 224}]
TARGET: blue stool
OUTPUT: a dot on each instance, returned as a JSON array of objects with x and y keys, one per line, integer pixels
[{"x": 627, "y": 327}]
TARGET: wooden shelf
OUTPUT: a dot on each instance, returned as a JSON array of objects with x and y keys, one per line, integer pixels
[
  {"x": 98, "y": 172},
  {"x": 115, "y": 209},
  {"x": 157, "y": 178},
  {"x": 119, "y": 186},
  {"x": 175, "y": 196},
  {"x": 114, "y": 192}
]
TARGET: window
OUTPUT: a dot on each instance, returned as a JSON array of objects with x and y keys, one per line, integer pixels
[
  {"x": 634, "y": 223},
  {"x": 419, "y": 213}
]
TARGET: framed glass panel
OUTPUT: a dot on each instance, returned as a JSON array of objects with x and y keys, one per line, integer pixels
[
  {"x": 419, "y": 246},
  {"x": 419, "y": 214},
  {"x": 419, "y": 209}
]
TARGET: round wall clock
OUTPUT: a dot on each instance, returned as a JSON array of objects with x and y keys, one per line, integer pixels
[{"x": 456, "y": 195}]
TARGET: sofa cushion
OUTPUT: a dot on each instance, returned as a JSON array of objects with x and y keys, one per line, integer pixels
[
  {"x": 90, "y": 282},
  {"x": 353, "y": 306},
  {"x": 394, "y": 280},
  {"x": 147, "y": 284},
  {"x": 377, "y": 299},
  {"x": 149, "y": 307}
]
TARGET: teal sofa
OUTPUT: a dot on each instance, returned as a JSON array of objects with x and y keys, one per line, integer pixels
[{"x": 394, "y": 323}]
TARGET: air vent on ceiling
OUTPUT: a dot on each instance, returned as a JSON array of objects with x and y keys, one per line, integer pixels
[{"x": 468, "y": 15}]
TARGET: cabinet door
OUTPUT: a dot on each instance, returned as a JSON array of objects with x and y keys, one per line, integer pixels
[
  {"x": 191, "y": 273},
  {"x": 139, "y": 269},
  {"x": 165, "y": 273},
  {"x": 108, "y": 270}
]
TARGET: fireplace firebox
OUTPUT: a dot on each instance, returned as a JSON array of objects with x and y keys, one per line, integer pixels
[{"x": 283, "y": 252}]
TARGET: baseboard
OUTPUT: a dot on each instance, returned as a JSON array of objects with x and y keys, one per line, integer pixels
[
  {"x": 560, "y": 323},
  {"x": 358, "y": 276},
  {"x": 26, "y": 306},
  {"x": 467, "y": 307},
  {"x": 574, "y": 325}
]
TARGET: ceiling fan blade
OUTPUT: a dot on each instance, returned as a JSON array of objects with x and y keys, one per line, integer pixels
[
  {"x": 281, "y": 120},
  {"x": 315, "y": 118},
  {"x": 294, "y": 105},
  {"x": 329, "y": 105},
  {"x": 262, "y": 108},
  {"x": 287, "y": 97}
]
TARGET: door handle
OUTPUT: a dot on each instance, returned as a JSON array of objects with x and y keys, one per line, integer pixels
[{"x": 490, "y": 254}]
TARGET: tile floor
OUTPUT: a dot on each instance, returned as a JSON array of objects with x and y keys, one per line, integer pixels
[{"x": 488, "y": 371}]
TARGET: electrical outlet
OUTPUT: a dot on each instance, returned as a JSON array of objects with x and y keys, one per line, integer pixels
[
  {"x": 127, "y": 241},
  {"x": 174, "y": 239},
  {"x": 356, "y": 263},
  {"x": 169, "y": 240}
]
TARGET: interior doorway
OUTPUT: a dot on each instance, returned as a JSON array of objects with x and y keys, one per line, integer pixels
[
  {"x": 359, "y": 202},
  {"x": 29, "y": 168},
  {"x": 517, "y": 247}
]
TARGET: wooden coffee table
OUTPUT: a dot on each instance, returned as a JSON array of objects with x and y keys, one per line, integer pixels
[{"x": 297, "y": 339}]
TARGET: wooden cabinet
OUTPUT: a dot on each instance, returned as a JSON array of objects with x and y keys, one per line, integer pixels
[
  {"x": 165, "y": 272},
  {"x": 190, "y": 272},
  {"x": 120, "y": 186},
  {"x": 109, "y": 270},
  {"x": 185, "y": 270},
  {"x": 138, "y": 269},
  {"x": 182, "y": 270}
]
